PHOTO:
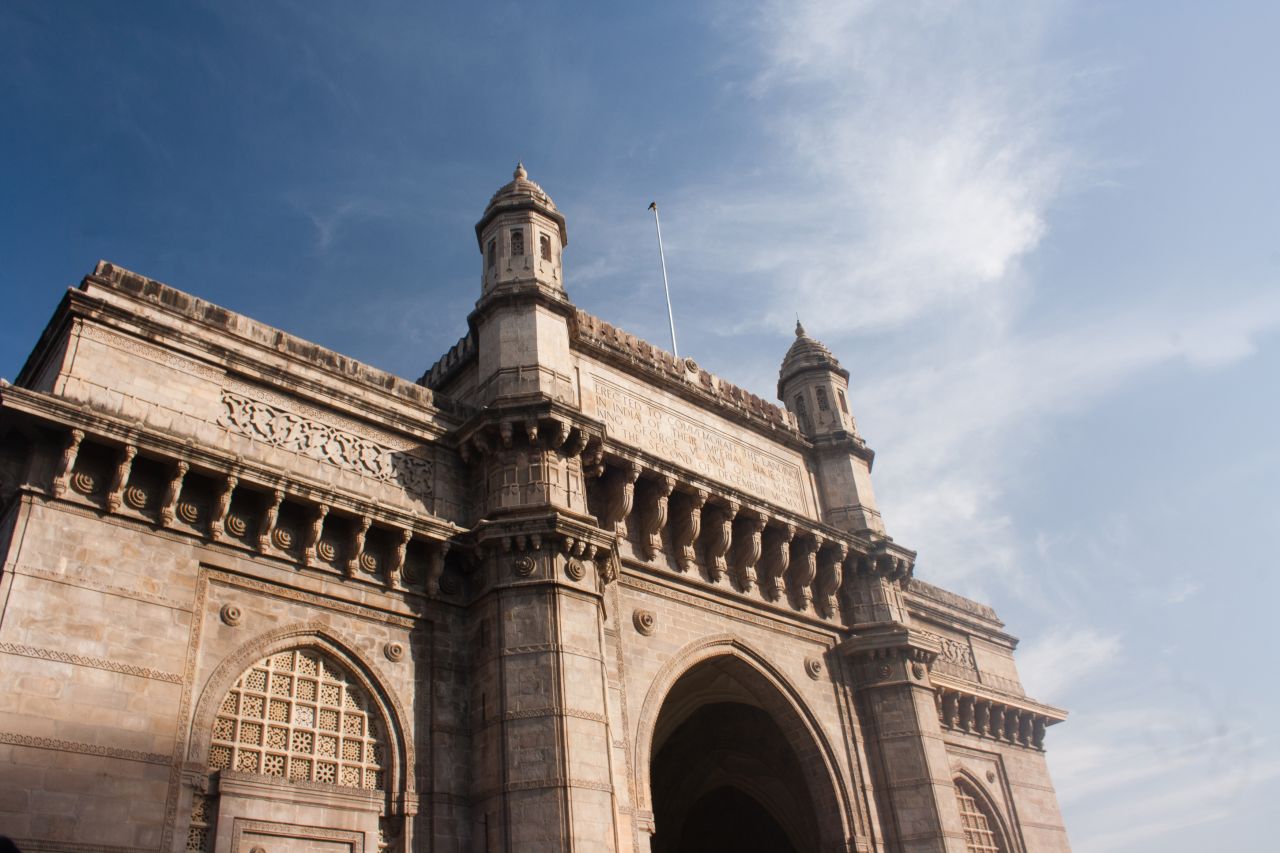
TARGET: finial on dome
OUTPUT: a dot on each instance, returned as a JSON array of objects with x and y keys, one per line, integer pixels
[
  {"x": 799, "y": 328},
  {"x": 520, "y": 174}
]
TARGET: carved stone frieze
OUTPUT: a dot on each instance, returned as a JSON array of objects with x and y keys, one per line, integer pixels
[{"x": 319, "y": 441}]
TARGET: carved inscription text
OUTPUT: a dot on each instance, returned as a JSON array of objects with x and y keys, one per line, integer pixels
[{"x": 674, "y": 436}]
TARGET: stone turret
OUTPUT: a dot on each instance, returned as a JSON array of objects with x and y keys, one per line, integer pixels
[
  {"x": 521, "y": 318},
  {"x": 521, "y": 236},
  {"x": 814, "y": 387}
]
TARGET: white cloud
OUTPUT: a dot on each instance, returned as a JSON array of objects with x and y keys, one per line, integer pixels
[{"x": 1057, "y": 660}]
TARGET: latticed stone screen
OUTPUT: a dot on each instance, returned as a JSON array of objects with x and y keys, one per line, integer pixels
[
  {"x": 979, "y": 829},
  {"x": 299, "y": 716}
]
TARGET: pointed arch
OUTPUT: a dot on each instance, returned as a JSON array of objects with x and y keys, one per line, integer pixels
[
  {"x": 314, "y": 636},
  {"x": 781, "y": 700},
  {"x": 971, "y": 788}
]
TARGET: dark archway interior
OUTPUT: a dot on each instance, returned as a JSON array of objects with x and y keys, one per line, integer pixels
[{"x": 724, "y": 775}]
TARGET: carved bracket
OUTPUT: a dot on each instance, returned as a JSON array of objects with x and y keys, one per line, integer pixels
[
  {"x": 721, "y": 537},
  {"x": 685, "y": 531},
  {"x": 654, "y": 517}
]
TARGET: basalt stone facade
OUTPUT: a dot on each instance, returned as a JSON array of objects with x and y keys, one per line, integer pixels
[{"x": 565, "y": 592}]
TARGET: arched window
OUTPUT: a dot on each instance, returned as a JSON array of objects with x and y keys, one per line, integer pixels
[
  {"x": 981, "y": 830},
  {"x": 823, "y": 404},
  {"x": 517, "y": 242},
  {"x": 300, "y": 716},
  {"x": 493, "y": 253},
  {"x": 544, "y": 246},
  {"x": 844, "y": 405},
  {"x": 801, "y": 411}
]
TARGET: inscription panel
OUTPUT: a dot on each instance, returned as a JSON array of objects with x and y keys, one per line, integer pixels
[{"x": 661, "y": 429}]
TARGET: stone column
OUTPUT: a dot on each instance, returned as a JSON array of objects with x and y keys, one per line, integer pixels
[
  {"x": 899, "y": 710},
  {"x": 543, "y": 780}
]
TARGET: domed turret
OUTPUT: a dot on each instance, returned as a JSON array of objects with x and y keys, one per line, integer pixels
[
  {"x": 813, "y": 385},
  {"x": 521, "y": 237}
]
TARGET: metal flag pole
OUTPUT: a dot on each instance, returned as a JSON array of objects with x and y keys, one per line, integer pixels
[{"x": 671, "y": 318}]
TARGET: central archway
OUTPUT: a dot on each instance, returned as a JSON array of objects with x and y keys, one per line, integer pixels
[{"x": 736, "y": 762}]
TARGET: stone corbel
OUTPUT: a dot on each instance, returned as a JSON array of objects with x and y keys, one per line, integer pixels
[
  {"x": 313, "y": 535},
  {"x": 559, "y": 434},
  {"x": 395, "y": 566},
  {"x": 505, "y": 433},
  {"x": 171, "y": 492},
  {"x": 685, "y": 531},
  {"x": 830, "y": 573},
  {"x": 268, "y": 523},
  {"x": 721, "y": 531},
  {"x": 622, "y": 496},
  {"x": 654, "y": 518},
  {"x": 749, "y": 548},
  {"x": 435, "y": 567},
  {"x": 120, "y": 477},
  {"x": 360, "y": 531},
  {"x": 804, "y": 568},
  {"x": 220, "y": 508},
  {"x": 68, "y": 461},
  {"x": 777, "y": 556},
  {"x": 531, "y": 431}
]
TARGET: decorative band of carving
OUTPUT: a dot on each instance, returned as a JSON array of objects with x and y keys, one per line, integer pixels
[
  {"x": 534, "y": 713},
  {"x": 83, "y": 748},
  {"x": 325, "y": 443},
  {"x": 96, "y": 663}
]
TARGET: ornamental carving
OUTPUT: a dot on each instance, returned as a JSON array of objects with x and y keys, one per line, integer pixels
[
  {"x": 645, "y": 621},
  {"x": 231, "y": 614},
  {"x": 136, "y": 497},
  {"x": 393, "y": 651},
  {"x": 522, "y": 566},
  {"x": 324, "y": 443},
  {"x": 574, "y": 569},
  {"x": 813, "y": 668}
]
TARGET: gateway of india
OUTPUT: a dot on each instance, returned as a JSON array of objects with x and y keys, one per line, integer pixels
[{"x": 565, "y": 592}]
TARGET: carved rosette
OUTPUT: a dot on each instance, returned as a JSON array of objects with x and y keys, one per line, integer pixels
[{"x": 645, "y": 621}]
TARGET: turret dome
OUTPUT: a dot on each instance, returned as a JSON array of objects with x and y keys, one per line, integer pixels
[
  {"x": 522, "y": 194},
  {"x": 807, "y": 353}
]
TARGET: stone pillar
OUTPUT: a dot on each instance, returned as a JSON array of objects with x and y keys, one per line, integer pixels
[
  {"x": 900, "y": 720},
  {"x": 543, "y": 780}
]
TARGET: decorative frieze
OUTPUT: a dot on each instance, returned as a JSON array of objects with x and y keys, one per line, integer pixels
[{"x": 324, "y": 443}]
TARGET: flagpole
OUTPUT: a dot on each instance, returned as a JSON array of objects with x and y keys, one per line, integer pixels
[{"x": 671, "y": 318}]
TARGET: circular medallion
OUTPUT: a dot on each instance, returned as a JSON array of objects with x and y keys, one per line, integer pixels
[
  {"x": 883, "y": 670},
  {"x": 645, "y": 621},
  {"x": 917, "y": 669},
  {"x": 449, "y": 585},
  {"x": 237, "y": 524},
  {"x": 282, "y": 538},
  {"x": 136, "y": 497},
  {"x": 84, "y": 482},
  {"x": 574, "y": 569},
  {"x": 522, "y": 565},
  {"x": 231, "y": 614},
  {"x": 190, "y": 512},
  {"x": 691, "y": 365},
  {"x": 991, "y": 776},
  {"x": 369, "y": 562},
  {"x": 326, "y": 550},
  {"x": 393, "y": 651},
  {"x": 813, "y": 667}
]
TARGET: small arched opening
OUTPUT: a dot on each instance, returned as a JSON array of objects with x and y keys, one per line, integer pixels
[{"x": 733, "y": 768}]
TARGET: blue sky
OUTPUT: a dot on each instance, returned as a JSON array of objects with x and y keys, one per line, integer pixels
[{"x": 1041, "y": 236}]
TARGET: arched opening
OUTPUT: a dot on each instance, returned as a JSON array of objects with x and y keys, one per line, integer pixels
[{"x": 731, "y": 769}]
